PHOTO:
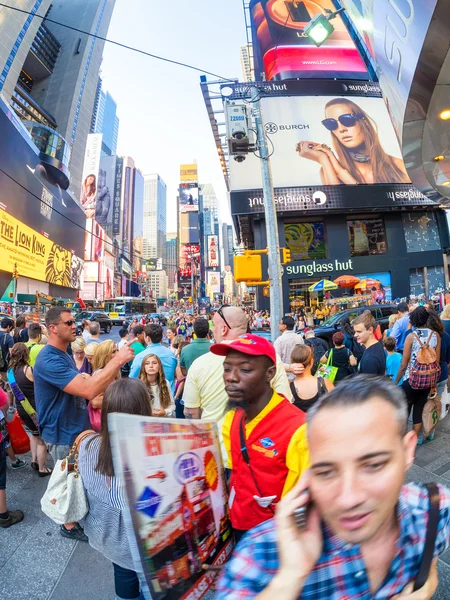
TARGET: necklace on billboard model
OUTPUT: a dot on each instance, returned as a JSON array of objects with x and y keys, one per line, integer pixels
[{"x": 359, "y": 157}]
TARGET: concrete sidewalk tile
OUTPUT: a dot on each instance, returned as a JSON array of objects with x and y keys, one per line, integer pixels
[
  {"x": 425, "y": 455},
  {"x": 442, "y": 593},
  {"x": 87, "y": 572}
]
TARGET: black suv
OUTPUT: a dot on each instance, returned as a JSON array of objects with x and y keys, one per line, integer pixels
[
  {"x": 97, "y": 316},
  {"x": 333, "y": 324}
]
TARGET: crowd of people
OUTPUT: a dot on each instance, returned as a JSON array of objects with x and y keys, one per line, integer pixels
[{"x": 299, "y": 421}]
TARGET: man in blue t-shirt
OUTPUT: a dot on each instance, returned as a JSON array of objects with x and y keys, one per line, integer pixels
[{"x": 62, "y": 391}]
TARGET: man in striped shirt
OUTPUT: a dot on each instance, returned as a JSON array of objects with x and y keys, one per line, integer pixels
[{"x": 365, "y": 532}]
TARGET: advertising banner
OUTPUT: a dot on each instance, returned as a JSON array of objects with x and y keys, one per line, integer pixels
[
  {"x": 213, "y": 251},
  {"x": 90, "y": 175},
  {"x": 214, "y": 281},
  {"x": 189, "y": 228},
  {"x": 117, "y": 196},
  {"x": 91, "y": 271},
  {"x": 325, "y": 140},
  {"x": 176, "y": 491},
  {"x": 283, "y": 51},
  {"x": 105, "y": 191},
  {"x": 188, "y": 197},
  {"x": 188, "y": 172},
  {"x": 153, "y": 264},
  {"x": 29, "y": 192},
  {"x": 188, "y": 250},
  {"x": 35, "y": 255}
]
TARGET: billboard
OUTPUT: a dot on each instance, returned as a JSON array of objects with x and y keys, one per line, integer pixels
[
  {"x": 188, "y": 172},
  {"x": 117, "y": 196},
  {"x": 283, "y": 51},
  {"x": 188, "y": 250},
  {"x": 35, "y": 255},
  {"x": 105, "y": 191},
  {"x": 95, "y": 241},
  {"x": 90, "y": 183},
  {"x": 213, "y": 281},
  {"x": 189, "y": 228},
  {"x": 213, "y": 251},
  {"x": 28, "y": 191},
  {"x": 188, "y": 197},
  {"x": 153, "y": 264},
  {"x": 91, "y": 272},
  {"x": 325, "y": 140}
]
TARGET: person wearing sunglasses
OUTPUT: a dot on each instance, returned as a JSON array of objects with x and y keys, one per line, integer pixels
[
  {"x": 61, "y": 391},
  {"x": 358, "y": 155}
]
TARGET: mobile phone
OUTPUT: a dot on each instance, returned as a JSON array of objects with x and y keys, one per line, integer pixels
[{"x": 301, "y": 516}]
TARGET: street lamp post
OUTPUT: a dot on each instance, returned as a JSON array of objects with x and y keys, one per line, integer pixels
[{"x": 270, "y": 213}]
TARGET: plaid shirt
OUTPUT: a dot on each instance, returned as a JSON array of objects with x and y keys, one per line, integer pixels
[{"x": 340, "y": 572}]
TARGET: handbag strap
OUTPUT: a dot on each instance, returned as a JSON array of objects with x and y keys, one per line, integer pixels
[
  {"x": 430, "y": 538},
  {"x": 79, "y": 439},
  {"x": 330, "y": 357}
]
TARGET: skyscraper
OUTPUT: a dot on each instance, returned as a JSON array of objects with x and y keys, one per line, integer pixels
[
  {"x": 171, "y": 258},
  {"x": 105, "y": 120},
  {"x": 50, "y": 72},
  {"x": 155, "y": 205}
]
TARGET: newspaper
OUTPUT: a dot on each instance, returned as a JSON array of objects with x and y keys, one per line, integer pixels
[{"x": 175, "y": 486}]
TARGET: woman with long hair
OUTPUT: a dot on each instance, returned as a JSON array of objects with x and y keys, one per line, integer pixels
[
  {"x": 20, "y": 333},
  {"x": 20, "y": 376},
  {"x": 103, "y": 354},
  {"x": 89, "y": 196},
  {"x": 358, "y": 155},
  {"x": 105, "y": 524},
  {"x": 307, "y": 389},
  {"x": 152, "y": 374}
]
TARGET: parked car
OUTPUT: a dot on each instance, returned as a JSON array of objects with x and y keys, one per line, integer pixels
[
  {"x": 333, "y": 323},
  {"x": 95, "y": 315}
]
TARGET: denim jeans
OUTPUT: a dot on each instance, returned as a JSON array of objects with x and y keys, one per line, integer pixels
[{"x": 126, "y": 583}]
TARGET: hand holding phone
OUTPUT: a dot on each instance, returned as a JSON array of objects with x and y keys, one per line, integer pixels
[{"x": 299, "y": 535}]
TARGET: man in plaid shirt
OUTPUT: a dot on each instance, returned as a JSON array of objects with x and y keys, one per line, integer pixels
[{"x": 365, "y": 530}]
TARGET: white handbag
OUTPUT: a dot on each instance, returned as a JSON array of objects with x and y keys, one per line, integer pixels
[{"x": 65, "y": 499}]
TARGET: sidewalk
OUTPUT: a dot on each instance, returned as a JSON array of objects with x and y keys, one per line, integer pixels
[{"x": 36, "y": 563}]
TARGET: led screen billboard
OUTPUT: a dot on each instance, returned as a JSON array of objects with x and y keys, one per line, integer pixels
[
  {"x": 213, "y": 281},
  {"x": 213, "y": 251},
  {"x": 189, "y": 228},
  {"x": 325, "y": 140},
  {"x": 90, "y": 181},
  {"x": 189, "y": 172},
  {"x": 282, "y": 50},
  {"x": 105, "y": 191},
  {"x": 188, "y": 197}
]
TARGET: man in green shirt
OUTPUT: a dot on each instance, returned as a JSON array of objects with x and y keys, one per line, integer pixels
[
  {"x": 198, "y": 346},
  {"x": 34, "y": 341},
  {"x": 139, "y": 345}
]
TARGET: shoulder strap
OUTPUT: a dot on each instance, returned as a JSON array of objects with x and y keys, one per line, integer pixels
[
  {"x": 330, "y": 357},
  {"x": 418, "y": 339},
  {"x": 80, "y": 438},
  {"x": 430, "y": 336},
  {"x": 322, "y": 386},
  {"x": 430, "y": 539}
]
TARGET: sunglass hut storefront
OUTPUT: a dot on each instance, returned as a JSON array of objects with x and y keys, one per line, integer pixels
[{"x": 344, "y": 201}]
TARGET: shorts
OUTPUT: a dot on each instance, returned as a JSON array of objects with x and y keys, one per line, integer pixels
[
  {"x": 58, "y": 452},
  {"x": 2, "y": 466},
  {"x": 4, "y": 431},
  {"x": 27, "y": 420}
]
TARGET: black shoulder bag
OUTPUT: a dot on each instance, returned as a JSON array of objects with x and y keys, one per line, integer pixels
[{"x": 430, "y": 538}]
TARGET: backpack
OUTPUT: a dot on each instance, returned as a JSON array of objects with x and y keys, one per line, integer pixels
[{"x": 424, "y": 370}]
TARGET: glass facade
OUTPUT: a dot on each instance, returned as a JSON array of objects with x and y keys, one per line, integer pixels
[
  {"x": 49, "y": 142},
  {"x": 367, "y": 236},
  {"x": 421, "y": 232},
  {"x": 306, "y": 241}
]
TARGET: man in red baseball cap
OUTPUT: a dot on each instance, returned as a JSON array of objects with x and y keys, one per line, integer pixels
[{"x": 264, "y": 433}]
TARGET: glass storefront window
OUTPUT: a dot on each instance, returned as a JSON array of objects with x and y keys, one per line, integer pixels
[
  {"x": 367, "y": 236},
  {"x": 306, "y": 241},
  {"x": 421, "y": 232},
  {"x": 435, "y": 278}
]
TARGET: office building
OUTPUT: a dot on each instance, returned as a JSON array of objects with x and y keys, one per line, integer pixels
[
  {"x": 52, "y": 77},
  {"x": 105, "y": 120},
  {"x": 227, "y": 244},
  {"x": 154, "y": 222},
  {"x": 248, "y": 71},
  {"x": 171, "y": 259},
  {"x": 157, "y": 284},
  {"x": 210, "y": 204}
]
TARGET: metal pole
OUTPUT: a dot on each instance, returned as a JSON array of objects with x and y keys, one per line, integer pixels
[
  {"x": 15, "y": 291},
  {"x": 192, "y": 281},
  {"x": 270, "y": 212}
]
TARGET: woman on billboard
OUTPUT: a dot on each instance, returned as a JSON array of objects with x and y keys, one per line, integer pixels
[
  {"x": 358, "y": 155},
  {"x": 89, "y": 196}
]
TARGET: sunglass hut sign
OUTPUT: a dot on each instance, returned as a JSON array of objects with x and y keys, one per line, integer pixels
[{"x": 316, "y": 267}]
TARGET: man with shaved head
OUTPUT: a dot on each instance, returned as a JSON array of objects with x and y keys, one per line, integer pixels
[{"x": 204, "y": 392}]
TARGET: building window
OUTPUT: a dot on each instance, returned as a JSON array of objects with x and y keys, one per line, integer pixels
[
  {"x": 367, "y": 236},
  {"x": 306, "y": 241},
  {"x": 421, "y": 232}
]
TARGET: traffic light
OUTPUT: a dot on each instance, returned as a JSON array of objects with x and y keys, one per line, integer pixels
[
  {"x": 286, "y": 253},
  {"x": 248, "y": 268}
]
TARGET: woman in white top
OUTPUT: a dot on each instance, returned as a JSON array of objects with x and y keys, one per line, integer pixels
[
  {"x": 152, "y": 374},
  {"x": 417, "y": 398}
]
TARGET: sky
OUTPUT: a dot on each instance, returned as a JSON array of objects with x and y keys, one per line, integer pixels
[{"x": 163, "y": 119}]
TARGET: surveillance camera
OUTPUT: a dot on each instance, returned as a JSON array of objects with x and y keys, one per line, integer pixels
[
  {"x": 239, "y": 134},
  {"x": 239, "y": 158}
]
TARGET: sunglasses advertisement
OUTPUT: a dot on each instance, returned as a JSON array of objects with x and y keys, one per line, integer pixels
[{"x": 325, "y": 141}]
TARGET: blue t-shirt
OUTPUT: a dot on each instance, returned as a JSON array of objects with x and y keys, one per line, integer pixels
[
  {"x": 393, "y": 362},
  {"x": 61, "y": 416}
]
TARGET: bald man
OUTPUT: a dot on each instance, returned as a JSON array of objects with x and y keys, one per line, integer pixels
[{"x": 204, "y": 394}]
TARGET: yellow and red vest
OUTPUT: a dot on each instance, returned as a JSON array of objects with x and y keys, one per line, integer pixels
[{"x": 267, "y": 447}]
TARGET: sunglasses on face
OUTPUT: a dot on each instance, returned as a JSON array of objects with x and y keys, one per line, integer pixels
[
  {"x": 68, "y": 323},
  {"x": 347, "y": 120}
]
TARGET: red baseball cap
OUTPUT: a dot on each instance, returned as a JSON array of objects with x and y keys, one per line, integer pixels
[{"x": 247, "y": 344}]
